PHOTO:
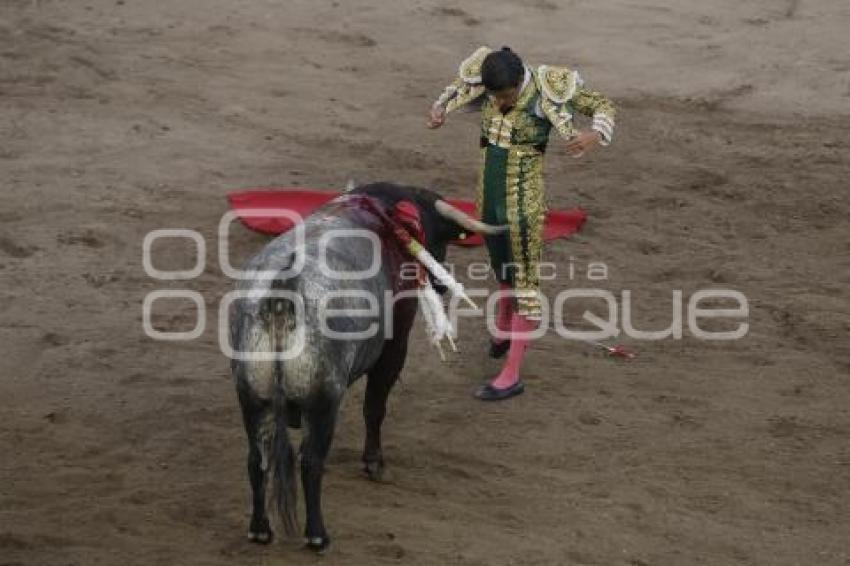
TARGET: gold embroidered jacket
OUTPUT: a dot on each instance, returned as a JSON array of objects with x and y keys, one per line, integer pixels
[{"x": 563, "y": 93}]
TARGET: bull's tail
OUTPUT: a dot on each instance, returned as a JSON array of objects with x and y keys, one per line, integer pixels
[
  {"x": 280, "y": 317},
  {"x": 285, "y": 496}
]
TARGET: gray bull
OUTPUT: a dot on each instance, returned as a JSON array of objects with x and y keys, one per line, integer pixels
[{"x": 284, "y": 309}]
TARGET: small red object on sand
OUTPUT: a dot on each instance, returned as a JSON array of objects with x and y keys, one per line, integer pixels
[
  {"x": 614, "y": 351},
  {"x": 621, "y": 352}
]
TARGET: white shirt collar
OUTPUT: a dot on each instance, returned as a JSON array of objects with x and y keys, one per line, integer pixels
[{"x": 526, "y": 79}]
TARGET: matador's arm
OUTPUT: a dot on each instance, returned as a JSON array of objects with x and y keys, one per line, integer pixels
[
  {"x": 467, "y": 87},
  {"x": 592, "y": 103},
  {"x": 564, "y": 92}
]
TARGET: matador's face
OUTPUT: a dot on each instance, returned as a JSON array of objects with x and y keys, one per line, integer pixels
[{"x": 505, "y": 99}]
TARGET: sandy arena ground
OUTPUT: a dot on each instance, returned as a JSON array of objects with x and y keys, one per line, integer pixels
[{"x": 729, "y": 169}]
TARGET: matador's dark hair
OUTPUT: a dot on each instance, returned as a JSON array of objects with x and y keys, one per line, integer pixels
[{"x": 502, "y": 70}]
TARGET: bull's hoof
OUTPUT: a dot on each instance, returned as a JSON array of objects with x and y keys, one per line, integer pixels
[
  {"x": 374, "y": 470},
  {"x": 319, "y": 545},
  {"x": 261, "y": 537},
  {"x": 260, "y": 532}
]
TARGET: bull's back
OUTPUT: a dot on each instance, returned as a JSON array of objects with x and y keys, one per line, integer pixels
[{"x": 268, "y": 321}]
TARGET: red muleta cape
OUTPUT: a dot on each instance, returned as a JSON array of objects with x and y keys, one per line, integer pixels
[{"x": 559, "y": 223}]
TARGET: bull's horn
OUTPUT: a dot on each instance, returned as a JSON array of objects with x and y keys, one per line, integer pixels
[{"x": 469, "y": 223}]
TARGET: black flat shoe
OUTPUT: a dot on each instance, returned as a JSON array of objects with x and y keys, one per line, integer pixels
[
  {"x": 499, "y": 349},
  {"x": 490, "y": 393}
]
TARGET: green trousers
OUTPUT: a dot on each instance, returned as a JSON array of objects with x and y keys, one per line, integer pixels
[{"x": 511, "y": 192}]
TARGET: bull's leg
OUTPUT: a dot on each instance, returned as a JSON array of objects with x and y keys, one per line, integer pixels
[
  {"x": 381, "y": 379},
  {"x": 258, "y": 418},
  {"x": 320, "y": 421}
]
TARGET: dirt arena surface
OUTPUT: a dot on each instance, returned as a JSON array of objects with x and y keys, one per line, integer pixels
[{"x": 729, "y": 169}]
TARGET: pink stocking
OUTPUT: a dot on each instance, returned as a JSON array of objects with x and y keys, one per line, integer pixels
[
  {"x": 505, "y": 311},
  {"x": 510, "y": 371}
]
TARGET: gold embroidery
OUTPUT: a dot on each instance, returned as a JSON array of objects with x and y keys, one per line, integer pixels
[
  {"x": 557, "y": 83},
  {"x": 502, "y": 129},
  {"x": 449, "y": 93},
  {"x": 470, "y": 69},
  {"x": 559, "y": 117},
  {"x": 467, "y": 86},
  {"x": 590, "y": 102},
  {"x": 561, "y": 92},
  {"x": 464, "y": 95},
  {"x": 526, "y": 211},
  {"x": 500, "y": 132},
  {"x": 522, "y": 133},
  {"x": 479, "y": 192},
  {"x": 513, "y": 214}
]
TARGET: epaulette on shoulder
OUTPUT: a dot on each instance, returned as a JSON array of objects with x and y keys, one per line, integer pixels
[
  {"x": 557, "y": 83},
  {"x": 470, "y": 69}
]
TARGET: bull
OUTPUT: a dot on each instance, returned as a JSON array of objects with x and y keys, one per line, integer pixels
[{"x": 282, "y": 310}]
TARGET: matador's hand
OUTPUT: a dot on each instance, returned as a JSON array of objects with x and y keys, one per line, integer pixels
[
  {"x": 436, "y": 117},
  {"x": 584, "y": 141}
]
